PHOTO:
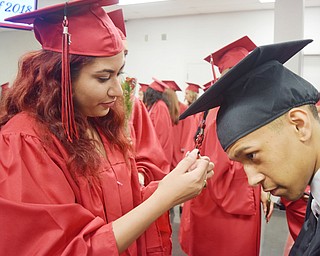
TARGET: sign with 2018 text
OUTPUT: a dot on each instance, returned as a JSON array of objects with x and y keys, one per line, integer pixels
[{"x": 9, "y": 8}]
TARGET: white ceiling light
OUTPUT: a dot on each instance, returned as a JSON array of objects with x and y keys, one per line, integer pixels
[
  {"x": 127, "y": 2},
  {"x": 267, "y": 1}
]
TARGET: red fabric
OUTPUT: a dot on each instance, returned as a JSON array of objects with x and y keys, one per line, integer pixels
[
  {"x": 161, "y": 121},
  {"x": 44, "y": 211},
  {"x": 183, "y": 134},
  {"x": 295, "y": 213},
  {"x": 149, "y": 155},
  {"x": 151, "y": 160},
  {"x": 228, "y": 210}
]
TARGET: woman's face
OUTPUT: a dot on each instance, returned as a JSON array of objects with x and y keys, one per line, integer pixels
[
  {"x": 188, "y": 97},
  {"x": 97, "y": 87}
]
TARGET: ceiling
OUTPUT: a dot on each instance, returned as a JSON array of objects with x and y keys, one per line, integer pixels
[{"x": 188, "y": 7}]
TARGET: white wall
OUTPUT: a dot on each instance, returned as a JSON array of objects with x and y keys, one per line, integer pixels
[
  {"x": 13, "y": 44},
  {"x": 189, "y": 40}
]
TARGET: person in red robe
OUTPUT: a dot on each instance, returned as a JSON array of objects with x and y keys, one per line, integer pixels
[
  {"x": 191, "y": 95},
  {"x": 69, "y": 181},
  {"x": 229, "y": 209},
  {"x": 142, "y": 90},
  {"x": 157, "y": 106},
  {"x": 150, "y": 158},
  {"x": 183, "y": 131}
]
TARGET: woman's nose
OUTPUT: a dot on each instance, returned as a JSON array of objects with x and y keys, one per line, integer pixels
[{"x": 115, "y": 90}]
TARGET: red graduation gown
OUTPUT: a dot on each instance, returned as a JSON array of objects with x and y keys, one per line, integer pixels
[
  {"x": 225, "y": 218},
  {"x": 183, "y": 134},
  {"x": 44, "y": 211},
  {"x": 151, "y": 160},
  {"x": 161, "y": 120}
]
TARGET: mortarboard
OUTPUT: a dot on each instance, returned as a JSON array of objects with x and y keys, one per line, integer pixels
[
  {"x": 208, "y": 85},
  {"x": 118, "y": 20},
  {"x": 99, "y": 39},
  {"x": 79, "y": 27},
  {"x": 172, "y": 85},
  {"x": 193, "y": 87},
  {"x": 231, "y": 54},
  {"x": 255, "y": 92},
  {"x": 143, "y": 87},
  {"x": 158, "y": 85}
]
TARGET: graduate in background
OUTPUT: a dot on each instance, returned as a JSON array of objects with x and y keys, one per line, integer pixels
[
  {"x": 183, "y": 130},
  {"x": 142, "y": 90},
  {"x": 277, "y": 142},
  {"x": 191, "y": 93},
  {"x": 158, "y": 107},
  {"x": 69, "y": 183},
  {"x": 229, "y": 209}
]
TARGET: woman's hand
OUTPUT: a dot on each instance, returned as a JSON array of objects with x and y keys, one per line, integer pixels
[{"x": 187, "y": 180}]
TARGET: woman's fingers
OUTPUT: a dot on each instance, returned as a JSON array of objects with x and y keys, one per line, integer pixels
[{"x": 186, "y": 163}]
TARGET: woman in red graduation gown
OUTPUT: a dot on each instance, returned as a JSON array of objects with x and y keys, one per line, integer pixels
[
  {"x": 69, "y": 183},
  {"x": 150, "y": 158},
  {"x": 183, "y": 130},
  {"x": 157, "y": 106}
]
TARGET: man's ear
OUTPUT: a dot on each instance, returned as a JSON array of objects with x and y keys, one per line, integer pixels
[{"x": 300, "y": 119}]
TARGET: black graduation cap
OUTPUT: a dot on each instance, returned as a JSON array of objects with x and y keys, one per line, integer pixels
[{"x": 255, "y": 92}]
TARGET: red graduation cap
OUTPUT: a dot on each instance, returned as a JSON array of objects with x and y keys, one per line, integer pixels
[
  {"x": 193, "y": 87},
  {"x": 92, "y": 31},
  {"x": 208, "y": 85},
  {"x": 143, "y": 87},
  {"x": 118, "y": 20},
  {"x": 78, "y": 27},
  {"x": 231, "y": 54},
  {"x": 158, "y": 85},
  {"x": 172, "y": 85}
]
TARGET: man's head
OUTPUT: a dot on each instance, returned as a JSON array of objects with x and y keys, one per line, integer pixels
[
  {"x": 281, "y": 155},
  {"x": 264, "y": 120}
]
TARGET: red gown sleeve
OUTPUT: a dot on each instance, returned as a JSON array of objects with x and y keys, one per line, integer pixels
[
  {"x": 149, "y": 156},
  {"x": 39, "y": 214},
  {"x": 229, "y": 182}
]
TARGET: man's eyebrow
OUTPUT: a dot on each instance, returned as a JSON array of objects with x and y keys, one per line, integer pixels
[{"x": 239, "y": 151}]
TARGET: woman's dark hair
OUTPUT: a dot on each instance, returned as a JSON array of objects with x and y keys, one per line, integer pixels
[
  {"x": 152, "y": 96},
  {"x": 37, "y": 90}
]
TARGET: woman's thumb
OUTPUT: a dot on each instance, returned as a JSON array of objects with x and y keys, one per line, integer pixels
[{"x": 188, "y": 161}]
